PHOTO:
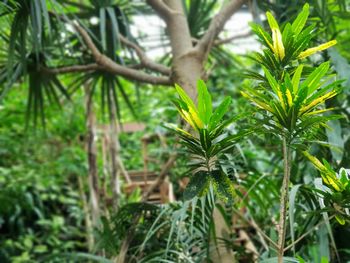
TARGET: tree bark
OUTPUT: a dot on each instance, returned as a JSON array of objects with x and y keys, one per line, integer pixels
[
  {"x": 282, "y": 226},
  {"x": 114, "y": 154},
  {"x": 187, "y": 65}
]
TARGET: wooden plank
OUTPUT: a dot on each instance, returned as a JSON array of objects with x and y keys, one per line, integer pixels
[{"x": 128, "y": 127}]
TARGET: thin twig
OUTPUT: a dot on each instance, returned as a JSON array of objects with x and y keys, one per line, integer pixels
[
  {"x": 256, "y": 227},
  {"x": 232, "y": 38},
  {"x": 305, "y": 234},
  {"x": 145, "y": 61},
  {"x": 217, "y": 24},
  {"x": 71, "y": 69},
  {"x": 161, "y": 8}
]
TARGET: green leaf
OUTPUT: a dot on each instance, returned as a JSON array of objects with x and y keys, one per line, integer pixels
[
  {"x": 269, "y": 60},
  {"x": 336, "y": 139},
  {"x": 300, "y": 21},
  {"x": 253, "y": 75},
  {"x": 341, "y": 66},
  {"x": 292, "y": 197},
  {"x": 103, "y": 28},
  {"x": 219, "y": 113},
  {"x": 287, "y": 34},
  {"x": 272, "y": 81},
  {"x": 223, "y": 186},
  {"x": 285, "y": 260},
  {"x": 184, "y": 96},
  {"x": 320, "y": 92},
  {"x": 271, "y": 20},
  {"x": 217, "y": 130},
  {"x": 205, "y": 139},
  {"x": 46, "y": 15},
  {"x": 296, "y": 78},
  {"x": 197, "y": 186},
  {"x": 303, "y": 40},
  {"x": 115, "y": 28},
  {"x": 340, "y": 219},
  {"x": 264, "y": 37},
  {"x": 313, "y": 80},
  {"x": 204, "y": 102}
]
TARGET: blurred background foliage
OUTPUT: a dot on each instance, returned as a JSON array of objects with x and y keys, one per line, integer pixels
[{"x": 43, "y": 168}]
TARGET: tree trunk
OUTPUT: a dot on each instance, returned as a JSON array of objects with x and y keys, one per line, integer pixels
[
  {"x": 88, "y": 223},
  {"x": 92, "y": 157},
  {"x": 114, "y": 154},
  {"x": 187, "y": 65},
  {"x": 187, "y": 70}
]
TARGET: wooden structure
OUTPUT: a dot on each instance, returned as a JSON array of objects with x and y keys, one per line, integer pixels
[{"x": 145, "y": 178}]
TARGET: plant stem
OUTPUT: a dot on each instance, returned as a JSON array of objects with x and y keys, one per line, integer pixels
[{"x": 284, "y": 199}]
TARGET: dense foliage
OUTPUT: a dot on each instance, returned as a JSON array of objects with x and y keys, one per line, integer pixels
[{"x": 264, "y": 146}]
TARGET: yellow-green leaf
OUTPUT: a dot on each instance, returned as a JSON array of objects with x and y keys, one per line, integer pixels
[
  {"x": 296, "y": 78},
  {"x": 184, "y": 96},
  {"x": 313, "y": 50},
  {"x": 204, "y": 102},
  {"x": 272, "y": 21},
  {"x": 300, "y": 21},
  {"x": 278, "y": 46}
]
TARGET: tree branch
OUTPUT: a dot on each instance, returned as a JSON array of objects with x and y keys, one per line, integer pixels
[
  {"x": 145, "y": 61},
  {"x": 306, "y": 233},
  {"x": 109, "y": 65},
  {"x": 223, "y": 41},
  {"x": 163, "y": 173},
  {"x": 255, "y": 226},
  {"x": 72, "y": 69},
  {"x": 161, "y": 8},
  {"x": 217, "y": 24},
  {"x": 219, "y": 42}
]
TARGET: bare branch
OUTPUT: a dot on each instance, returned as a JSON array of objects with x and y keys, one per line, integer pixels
[
  {"x": 161, "y": 8},
  {"x": 109, "y": 65},
  {"x": 163, "y": 173},
  {"x": 223, "y": 41},
  {"x": 306, "y": 233},
  {"x": 217, "y": 24},
  {"x": 145, "y": 61},
  {"x": 255, "y": 226},
  {"x": 72, "y": 69}
]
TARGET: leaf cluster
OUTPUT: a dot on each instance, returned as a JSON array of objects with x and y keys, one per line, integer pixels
[
  {"x": 337, "y": 188},
  {"x": 291, "y": 95},
  {"x": 207, "y": 141}
]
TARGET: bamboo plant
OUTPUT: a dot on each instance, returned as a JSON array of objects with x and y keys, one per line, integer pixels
[{"x": 290, "y": 95}]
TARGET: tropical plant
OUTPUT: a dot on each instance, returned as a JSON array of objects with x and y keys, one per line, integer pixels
[
  {"x": 290, "y": 108},
  {"x": 336, "y": 195},
  {"x": 208, "y": 142}
]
